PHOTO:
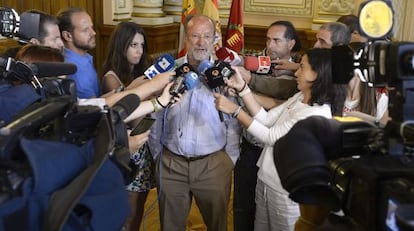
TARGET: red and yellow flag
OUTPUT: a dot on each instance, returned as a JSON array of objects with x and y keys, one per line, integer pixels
[
  {"x": 189, "y": 8},
  {"x": 235, "y": 30},
  {"x": 211, "y": 10}
]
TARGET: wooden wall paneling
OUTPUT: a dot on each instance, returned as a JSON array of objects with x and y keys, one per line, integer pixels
[
  {"x": 11, "y": 4},
  {"x": 15, "y": 4},
  {"x": 254, "y": 38},
  {"x": 97, "y": 18}
]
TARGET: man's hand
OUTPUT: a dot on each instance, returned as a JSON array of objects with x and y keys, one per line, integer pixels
[{"x": 283, "y": 64}]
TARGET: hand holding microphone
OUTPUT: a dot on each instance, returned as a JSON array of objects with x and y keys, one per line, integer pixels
[
  {"x": 259, "y": 64},
  {"x": 166, "y": 99},
  {"x": 223, "y": 104},
  {"x": 237, "y": 82},
  {"x": 181, "y": 83}
]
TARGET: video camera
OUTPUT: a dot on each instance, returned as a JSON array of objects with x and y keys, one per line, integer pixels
[
  {"x": 44, "y": 116},
  {"x": 23, "y": 27},
  {"x": 364, "y": 169}
]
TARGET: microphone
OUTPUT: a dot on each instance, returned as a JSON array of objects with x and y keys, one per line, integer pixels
[
  {"x": 179, "y": 80},
  {"x": 183, "y": 69},
  {"x": 184, "y": 82},
  {"x": 227, "y": 55},
  {"x": 215, "y": 75},
  {"x": 191, "y": 80},
  {"x": 24, "y": 71},
  {"x": 124, "y": 107},
  {"x": 215, "y": 78},
  {"x": 162, "y": 64},
  {"x": 259, "y": 64},
  {"x": 203, "y": 66}
]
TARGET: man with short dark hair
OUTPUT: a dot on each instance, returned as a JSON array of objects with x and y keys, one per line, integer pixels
[
  {"x": 352, "y": 22},
  {"x": 78, "y": 35},
  {"x": 332, "y": 34},
  {"x": 282, "y": 43}
]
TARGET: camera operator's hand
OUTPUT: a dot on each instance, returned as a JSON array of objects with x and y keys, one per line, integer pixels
[{"x": 135, "y": 142}]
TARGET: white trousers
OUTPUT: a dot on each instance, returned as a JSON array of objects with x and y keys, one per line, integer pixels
[{"x": 274, "y": 210}]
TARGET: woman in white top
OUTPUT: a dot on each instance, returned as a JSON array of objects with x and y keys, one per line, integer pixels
[{"x": 274, "y": 209}]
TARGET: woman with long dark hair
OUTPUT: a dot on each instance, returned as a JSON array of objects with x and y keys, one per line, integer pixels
[
  {"x": 316, "y": 96},
  {"x": 125, "y": 62}
]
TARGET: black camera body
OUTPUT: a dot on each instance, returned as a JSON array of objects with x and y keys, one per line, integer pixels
[{"x": 372, "y": 186}]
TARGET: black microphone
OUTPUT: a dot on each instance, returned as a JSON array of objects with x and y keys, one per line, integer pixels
[
  {"x": 180, "y": 72},
  {"x": 181, "y": 83},
  {"x": 52, "y": 69},
  {"x": 215, "y": 78},
  {"x": 23, "y": 71},
  {"x": 124, "y": 107}
]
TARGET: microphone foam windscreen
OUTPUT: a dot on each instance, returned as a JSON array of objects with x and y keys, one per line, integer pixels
[
  {"x": 128, "y": 103},
  {"x": 52, "y": 69},
  {"x": 191, "y": 80},
  {"x": 203, "y": 66},
  {"x": 251, "y": 63},
  {"x": 184, "y": 68}
]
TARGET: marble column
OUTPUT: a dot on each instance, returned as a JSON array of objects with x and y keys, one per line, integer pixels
[
  {"x": 150, "y": 12},
  {"x": 173, "y": 9},
  {"x": 121, "y": 10},
  {"x": 224, "y": 11}
]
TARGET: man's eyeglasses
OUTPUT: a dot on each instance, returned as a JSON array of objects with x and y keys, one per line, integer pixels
[{"x": 195, "y": 37}]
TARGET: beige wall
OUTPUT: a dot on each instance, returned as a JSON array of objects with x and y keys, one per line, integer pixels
[{"x": 308, "y": 14}]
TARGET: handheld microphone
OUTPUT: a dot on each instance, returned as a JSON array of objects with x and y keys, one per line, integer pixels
[
  {"x": 178, "y": 85},
  {"x": 227, "y": 55},
  {"x": 191, "y": 80},
  {"x": 203, "y": 66},
  {"x": 215, "y": 75},
  {"x": 184, "y": 82},
  {"x": 215, "y": 78},
  {"x": 25, "y": 72},
  {"x": 162, "y": 64},
  {"x": 259, "y": 64},
  {"x": 183, "y": 69}
]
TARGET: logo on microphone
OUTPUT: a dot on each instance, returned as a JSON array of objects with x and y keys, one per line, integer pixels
[{"x": 161, "y": 65}]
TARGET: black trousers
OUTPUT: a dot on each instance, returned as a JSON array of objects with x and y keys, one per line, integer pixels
[{"x": 245, "y": 178}]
